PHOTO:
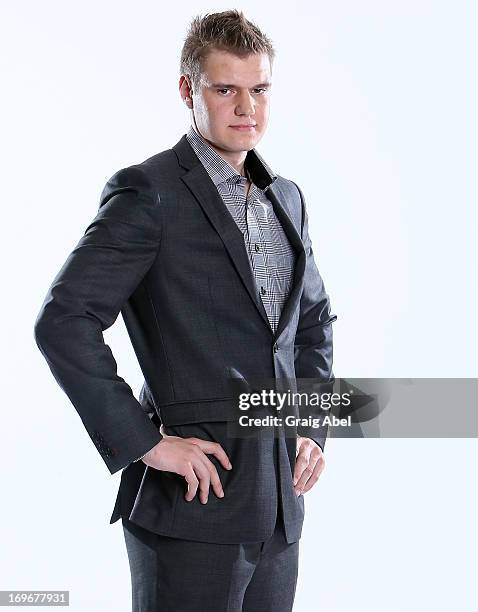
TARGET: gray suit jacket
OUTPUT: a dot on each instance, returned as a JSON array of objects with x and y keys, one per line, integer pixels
[{"x": 165, "y": 252}]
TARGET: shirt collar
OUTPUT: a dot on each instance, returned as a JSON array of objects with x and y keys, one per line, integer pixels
[{"x": 221, "y": 171}]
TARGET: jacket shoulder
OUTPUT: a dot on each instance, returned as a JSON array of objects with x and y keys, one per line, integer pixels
[
  {"x": 160, "y": 162},
  {"x": 289, "y": 187},
  {"x": 141, "y": 177}
]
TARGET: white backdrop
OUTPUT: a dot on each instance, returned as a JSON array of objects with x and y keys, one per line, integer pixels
[{"x": 374, "y": 116}]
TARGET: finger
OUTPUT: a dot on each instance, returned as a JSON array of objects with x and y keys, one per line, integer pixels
[
  {"x": 301, "y": 463},
  {"x": 306, "y": 474},
  {"x": 307, "y": 458},
  {"x": 318, "y": 469},
  {"x": 204, "y": 478},
  {"x": 316, "y": 459},
  {"x": 192, "y": 481},
  {"x": 214, "y": 477},
  {"x": 213, "y": 448},
  {"x": 201, "y": 474}
]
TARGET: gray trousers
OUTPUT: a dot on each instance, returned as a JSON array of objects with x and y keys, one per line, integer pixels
[{"x": 173, "y": 575}]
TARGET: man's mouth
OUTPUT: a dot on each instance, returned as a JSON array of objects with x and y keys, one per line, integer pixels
[{"x": 244, "y": 127}]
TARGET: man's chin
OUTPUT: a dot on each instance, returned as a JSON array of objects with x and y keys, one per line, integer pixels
[{"x": 244, "y": 141}]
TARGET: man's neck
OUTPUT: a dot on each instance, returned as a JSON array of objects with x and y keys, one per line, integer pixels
[{"x": 235, "y": 159}]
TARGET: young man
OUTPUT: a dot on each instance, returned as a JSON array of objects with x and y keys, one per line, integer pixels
[{"x": 206, "y": 253}]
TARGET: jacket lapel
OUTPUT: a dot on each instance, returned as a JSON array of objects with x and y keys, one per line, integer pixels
[
  {"x": 278, "y": 199},
  {"x": 199, "y": 183}
]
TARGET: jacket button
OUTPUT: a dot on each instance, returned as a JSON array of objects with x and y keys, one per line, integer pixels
[{"x": 276, "y": 347}]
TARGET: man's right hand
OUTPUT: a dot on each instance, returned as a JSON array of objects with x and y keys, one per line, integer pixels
[{"x": 187, "y": 457}]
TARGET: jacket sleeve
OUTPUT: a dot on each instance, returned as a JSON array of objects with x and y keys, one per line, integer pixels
[
  {"x": 313, "y": 346},
  {"x": 110, "y": 260}
]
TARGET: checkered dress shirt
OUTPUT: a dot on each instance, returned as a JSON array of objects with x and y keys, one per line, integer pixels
[{"x": 271, "y": 256}]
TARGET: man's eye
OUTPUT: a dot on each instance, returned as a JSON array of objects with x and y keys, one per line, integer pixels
[{"x": 259, "y": 90}]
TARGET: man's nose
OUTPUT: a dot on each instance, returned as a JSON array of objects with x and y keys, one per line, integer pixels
[{"x": 245, "y": 104}]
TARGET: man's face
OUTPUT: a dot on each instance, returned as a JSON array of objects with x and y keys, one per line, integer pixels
[{"x": 233, "y": 92}]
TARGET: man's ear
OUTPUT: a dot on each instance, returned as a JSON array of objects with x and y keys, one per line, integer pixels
[{"x": 187, "y": 96}]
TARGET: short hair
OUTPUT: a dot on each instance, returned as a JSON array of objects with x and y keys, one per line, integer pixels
[{"x": 226, "y": 31}]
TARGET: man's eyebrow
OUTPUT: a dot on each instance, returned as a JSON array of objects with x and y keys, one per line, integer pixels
[{"x": 230, "y": 85}]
